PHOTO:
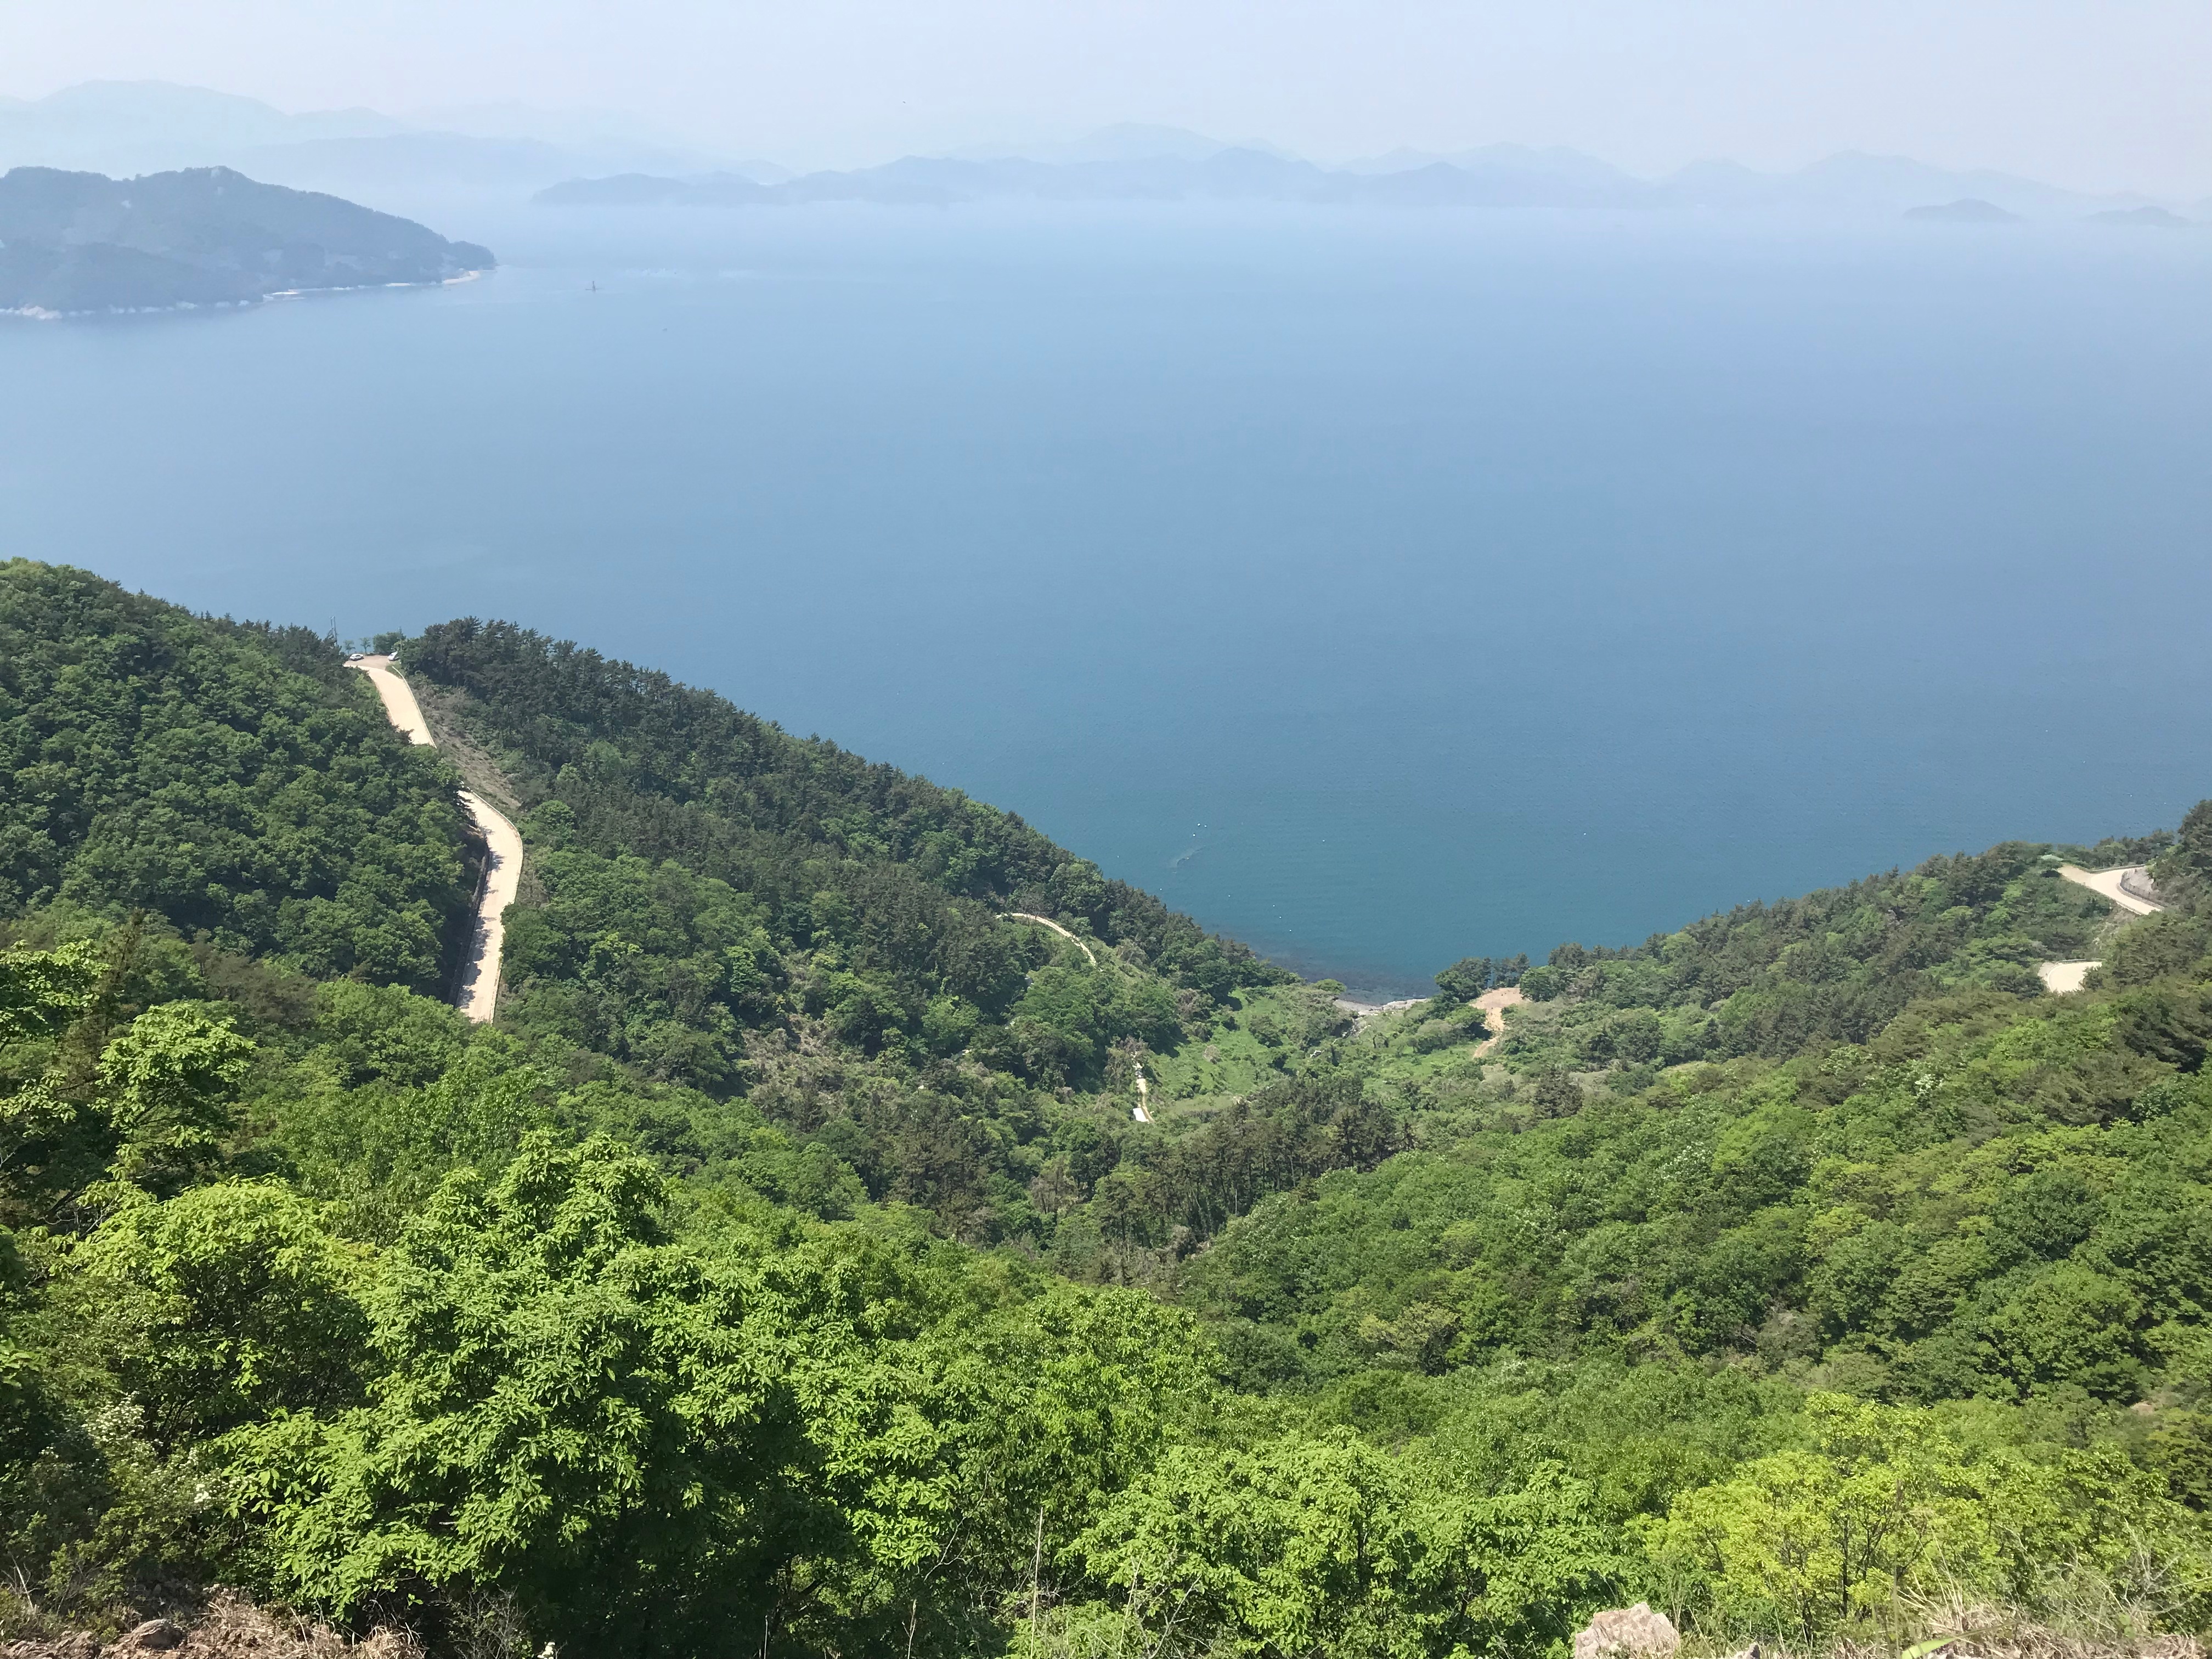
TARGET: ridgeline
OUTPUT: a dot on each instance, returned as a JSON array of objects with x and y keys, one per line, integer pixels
[{"x": 78, "y": 243}]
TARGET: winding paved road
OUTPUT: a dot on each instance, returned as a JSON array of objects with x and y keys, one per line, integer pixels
[
  {"x": 2106, "y": 883},
  {"x": 479, "y": 997},
  {"x": 2064, "y": 978}
]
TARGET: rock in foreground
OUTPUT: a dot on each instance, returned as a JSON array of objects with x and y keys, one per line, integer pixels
[
  {"x": 232, "y": 1628},
  {"x": 1634, "y": 1633}
]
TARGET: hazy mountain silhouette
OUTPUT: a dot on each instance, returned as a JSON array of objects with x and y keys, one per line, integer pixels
[
  {"x": 125, "y": 127},
  {"x": 130, "y": 124},
  {"x": 1967, "y": 211},
  {"x": 81, "y": 242},
  {"x": 571, "y": 156},
  {"x": 1183, "y": 166},
  {"x": 2154, "y": 218}
]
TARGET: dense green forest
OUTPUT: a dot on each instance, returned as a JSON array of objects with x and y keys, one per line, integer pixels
[
  {"x": 786, "y": 1272},
  {"x": 225, "y": 777}
]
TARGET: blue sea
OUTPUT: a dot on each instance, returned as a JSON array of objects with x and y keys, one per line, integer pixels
[{"x": 1380, "y": 588}]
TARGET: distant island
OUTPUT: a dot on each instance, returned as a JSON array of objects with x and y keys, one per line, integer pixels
[
  {"x": 2156, "y": 218},
  {"x": 74, "y": 243},
  {"x": 1969, "y": 211}
]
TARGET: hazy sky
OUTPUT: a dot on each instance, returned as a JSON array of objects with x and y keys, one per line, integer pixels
[{"x": 2096, "y": 94}]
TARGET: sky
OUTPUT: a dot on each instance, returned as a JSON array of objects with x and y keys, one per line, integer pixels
[{"x": 2097, "y": 95}]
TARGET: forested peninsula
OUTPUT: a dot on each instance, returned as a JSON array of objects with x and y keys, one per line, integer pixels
[
  {"x": 73, "y": 244},
  {"x": 788, "y": 1270}
]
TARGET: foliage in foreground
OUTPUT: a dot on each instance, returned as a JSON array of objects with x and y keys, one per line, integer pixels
[
  {"x": 373, "y": 1315},
  {"x": 1801, "y": 1272}
]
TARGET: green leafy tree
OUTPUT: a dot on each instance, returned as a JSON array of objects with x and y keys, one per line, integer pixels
[
  {"x": 169, "y": 1084},
  {"x": 40, "y": 993},
  {"x": 2184, "y": 871},
  {"x": 1887, "y": 1504},
  {"x": 224, "y": 1304},
  {"x": 1467, "y": 978},
  {"x": 1296, "y": 1547},
  {"x": 570, "y": 1409},
  {"x": 1330, "y": 1544}
]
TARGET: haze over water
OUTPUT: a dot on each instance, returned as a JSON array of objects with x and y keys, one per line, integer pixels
[{"x": 1380, "y": 588}]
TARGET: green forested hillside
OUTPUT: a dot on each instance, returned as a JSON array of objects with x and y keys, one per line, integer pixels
[
  {"x": 232, "y": 779},
  {"x": 652, "y": 769},
  {"x": 785, "y": 1271},
  {"x": 730, "y": 909},
  {"x": 72, "y": 243},
  {"x": 1986, "y": 1200},
  {"x": 1834, "y": 966}
]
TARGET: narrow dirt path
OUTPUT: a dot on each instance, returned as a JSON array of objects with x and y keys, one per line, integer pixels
[
  {"x": 1139, "y": 1111},
  {"x": 479, "y": 997},
  {"x": 1047, "y": 921},
  {"x": 1494, "y": 1004}
]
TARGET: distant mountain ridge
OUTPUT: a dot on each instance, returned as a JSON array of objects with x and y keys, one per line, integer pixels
[
  {"x": 79, "y": 242},
  {"x": 106, "y": 116},
  {"x": 420, "y": 164},
  {"x": 1181, "y": 167},
  {"x": 124, "y": 127}
]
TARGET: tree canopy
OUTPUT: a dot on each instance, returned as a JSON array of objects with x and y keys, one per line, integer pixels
[{"x": 789, "y": 1269}]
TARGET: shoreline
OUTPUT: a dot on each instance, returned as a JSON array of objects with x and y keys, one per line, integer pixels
[{"x": 43, "y": 314}]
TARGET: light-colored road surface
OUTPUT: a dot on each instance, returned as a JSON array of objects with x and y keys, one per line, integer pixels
[
  {"x": 2060, "y": 977},
  {"x": 1494, "y": 1005},
  {"x": 399, "y": 704},
  {"x": 2106, "y": 884},
  {"x": 479, "y": 997},
  {"x": 1047, "y": 921}
]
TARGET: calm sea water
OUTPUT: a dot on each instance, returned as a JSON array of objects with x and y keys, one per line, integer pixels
[{"x": 1378, "y": 588}]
